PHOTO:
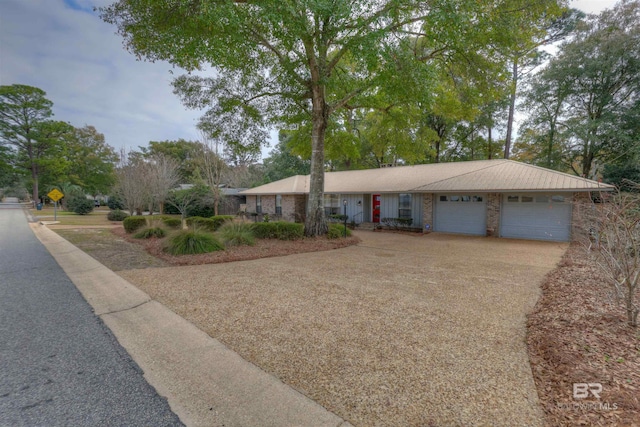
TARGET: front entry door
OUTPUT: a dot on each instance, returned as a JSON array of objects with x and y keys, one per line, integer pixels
[{"x": 375, "y": 208}]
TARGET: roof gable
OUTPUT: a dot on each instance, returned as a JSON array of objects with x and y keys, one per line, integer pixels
[{"x": 498, "y": 175}]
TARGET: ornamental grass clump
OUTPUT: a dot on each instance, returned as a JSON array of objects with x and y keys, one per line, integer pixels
[
  {"x": 190, "y": 242},
  {"x": 237, "y": 234},
  {"x": 150, "y": 232}
]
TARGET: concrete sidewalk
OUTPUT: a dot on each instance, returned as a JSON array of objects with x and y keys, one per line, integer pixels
[{"x": 205, "y": 383}]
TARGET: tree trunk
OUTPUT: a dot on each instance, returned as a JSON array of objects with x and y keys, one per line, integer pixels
[
  {"x": 315, "y": 223},
  {"x": 512, "y": 108},
  {"x": 34, "y": 177}
]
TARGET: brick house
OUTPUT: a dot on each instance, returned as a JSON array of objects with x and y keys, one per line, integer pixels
[{"x": 502, "y": 198}]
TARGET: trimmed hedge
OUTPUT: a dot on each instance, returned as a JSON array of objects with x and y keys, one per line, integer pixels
[
  {"x": 200, "y": 223},
  {"x": 336, "y": 231},
  {"x": 134, "y": 223},
  {"x": 171, "y": 222},
  {"x": 117, "y": 215},
  {"x": 281, "y": 230}
]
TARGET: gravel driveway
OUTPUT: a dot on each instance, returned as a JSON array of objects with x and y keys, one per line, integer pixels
[{"x": 398, "y": 330}]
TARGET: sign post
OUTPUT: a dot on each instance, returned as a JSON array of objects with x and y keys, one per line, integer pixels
[{"x": 55, "y": 195}]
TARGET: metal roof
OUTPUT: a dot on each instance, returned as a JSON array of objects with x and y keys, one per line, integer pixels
[{"x": 498, "y": 175}]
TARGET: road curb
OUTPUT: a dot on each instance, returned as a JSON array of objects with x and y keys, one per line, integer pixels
[{"x": 205, "y": 383}]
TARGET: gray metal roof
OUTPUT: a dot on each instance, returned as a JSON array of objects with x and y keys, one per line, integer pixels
[{"x": 498, "y": 175}]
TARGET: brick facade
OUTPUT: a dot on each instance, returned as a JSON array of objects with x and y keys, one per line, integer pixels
[
  {"x": 427, "y": 211},
  {"x": 493, "y": 214}
]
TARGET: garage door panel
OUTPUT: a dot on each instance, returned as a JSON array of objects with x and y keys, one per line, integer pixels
[
  {"x": 540, "y": 221},
  {"x": 468, "y": 217}
]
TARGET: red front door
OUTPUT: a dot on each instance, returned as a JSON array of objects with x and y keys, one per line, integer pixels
[{"x": 376, "y": 208}]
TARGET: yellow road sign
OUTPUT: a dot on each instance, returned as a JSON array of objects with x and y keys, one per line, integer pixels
[{"x": 55, "y": 195}]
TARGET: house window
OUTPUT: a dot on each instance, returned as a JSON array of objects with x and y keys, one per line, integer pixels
[
  {"x": 278, "y": 204},
  {"x": 331, "y": 204},
  {"x": 404, "y": 206},
  {"x": 258, "y": 204}
]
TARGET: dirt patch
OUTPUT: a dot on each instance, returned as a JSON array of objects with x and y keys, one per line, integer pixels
[
  {"x": 578, "y": 334},
  {"x": 264, "y": 248},
  {"x": 115, "y": 252}
]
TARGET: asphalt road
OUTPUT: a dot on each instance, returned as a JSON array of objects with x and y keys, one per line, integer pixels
[{"x": 59, "y": 364}]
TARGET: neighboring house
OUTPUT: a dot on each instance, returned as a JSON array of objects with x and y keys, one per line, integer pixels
[
  {"x": 232, "y": 202},
  {"x": 501, "y": 197}
]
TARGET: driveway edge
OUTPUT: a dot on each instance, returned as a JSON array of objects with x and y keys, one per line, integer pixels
[{"x": 204, "y": 382}]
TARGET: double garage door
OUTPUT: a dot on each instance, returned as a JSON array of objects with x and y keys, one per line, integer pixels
[{"x": 523, "y": 216}]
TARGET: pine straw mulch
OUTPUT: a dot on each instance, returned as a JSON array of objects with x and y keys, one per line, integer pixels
[
  {"x": 264, "y": 248},
  {"x": 578, "y": 334}
]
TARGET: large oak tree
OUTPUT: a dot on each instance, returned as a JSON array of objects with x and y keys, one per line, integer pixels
[{"x": 289, "y": 62}]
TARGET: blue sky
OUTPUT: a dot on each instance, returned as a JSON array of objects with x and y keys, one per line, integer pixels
[{"x": 62, "y": 47}]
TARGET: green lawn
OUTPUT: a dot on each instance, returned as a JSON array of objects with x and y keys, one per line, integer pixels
[{"x": 98, "y": 217}]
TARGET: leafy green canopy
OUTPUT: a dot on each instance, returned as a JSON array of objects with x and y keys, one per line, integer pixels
[
  {"x": 585, "y": 103},
  {"x": 298, "y": 63}
]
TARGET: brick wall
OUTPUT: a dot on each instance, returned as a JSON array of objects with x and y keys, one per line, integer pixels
[
  {"x": 289, "y": 208},
  {"x": 269, "y": 204},
  {"x": 427, "y": 210},
  {"x": 251, "y": 203},
  {"x": 493, "y": 214}
]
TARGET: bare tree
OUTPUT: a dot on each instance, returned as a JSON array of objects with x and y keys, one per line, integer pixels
[
  {"x": 182, "y": 200},
  {"x": 214, "y": 167},
  {"x": 130, "y": 186},
  {"x": 614, "y": 244},
  {"x": 162, "y": 176}
]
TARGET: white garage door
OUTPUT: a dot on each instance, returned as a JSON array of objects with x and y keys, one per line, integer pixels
[
  {"x": 461, "y": 213},
  {"x": 536, "y": 216}
]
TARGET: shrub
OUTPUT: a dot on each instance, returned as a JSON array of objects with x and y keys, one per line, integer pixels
[
  {"x": 201, "y": 202},
  {"x": 200, "y": 223},
  {"x": 278, "y": 230},
  {"x": 336, "y": 231},
  {"x": 149, "y": 232},
  {"x": 219, "y": 220},
  {"x": 237, "y": 233},
  {"x": 80, "y": 205},
  {"x": 117, "y": 215},
  {"x": 192, "y": 242},
  {"x": 338, "y": 218},
  {"x": 171, "y": 222},
  {"x": 397, "y": 222},
  {"x": 115, "y": 203},
  {"x": 134, "y": 223}
]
